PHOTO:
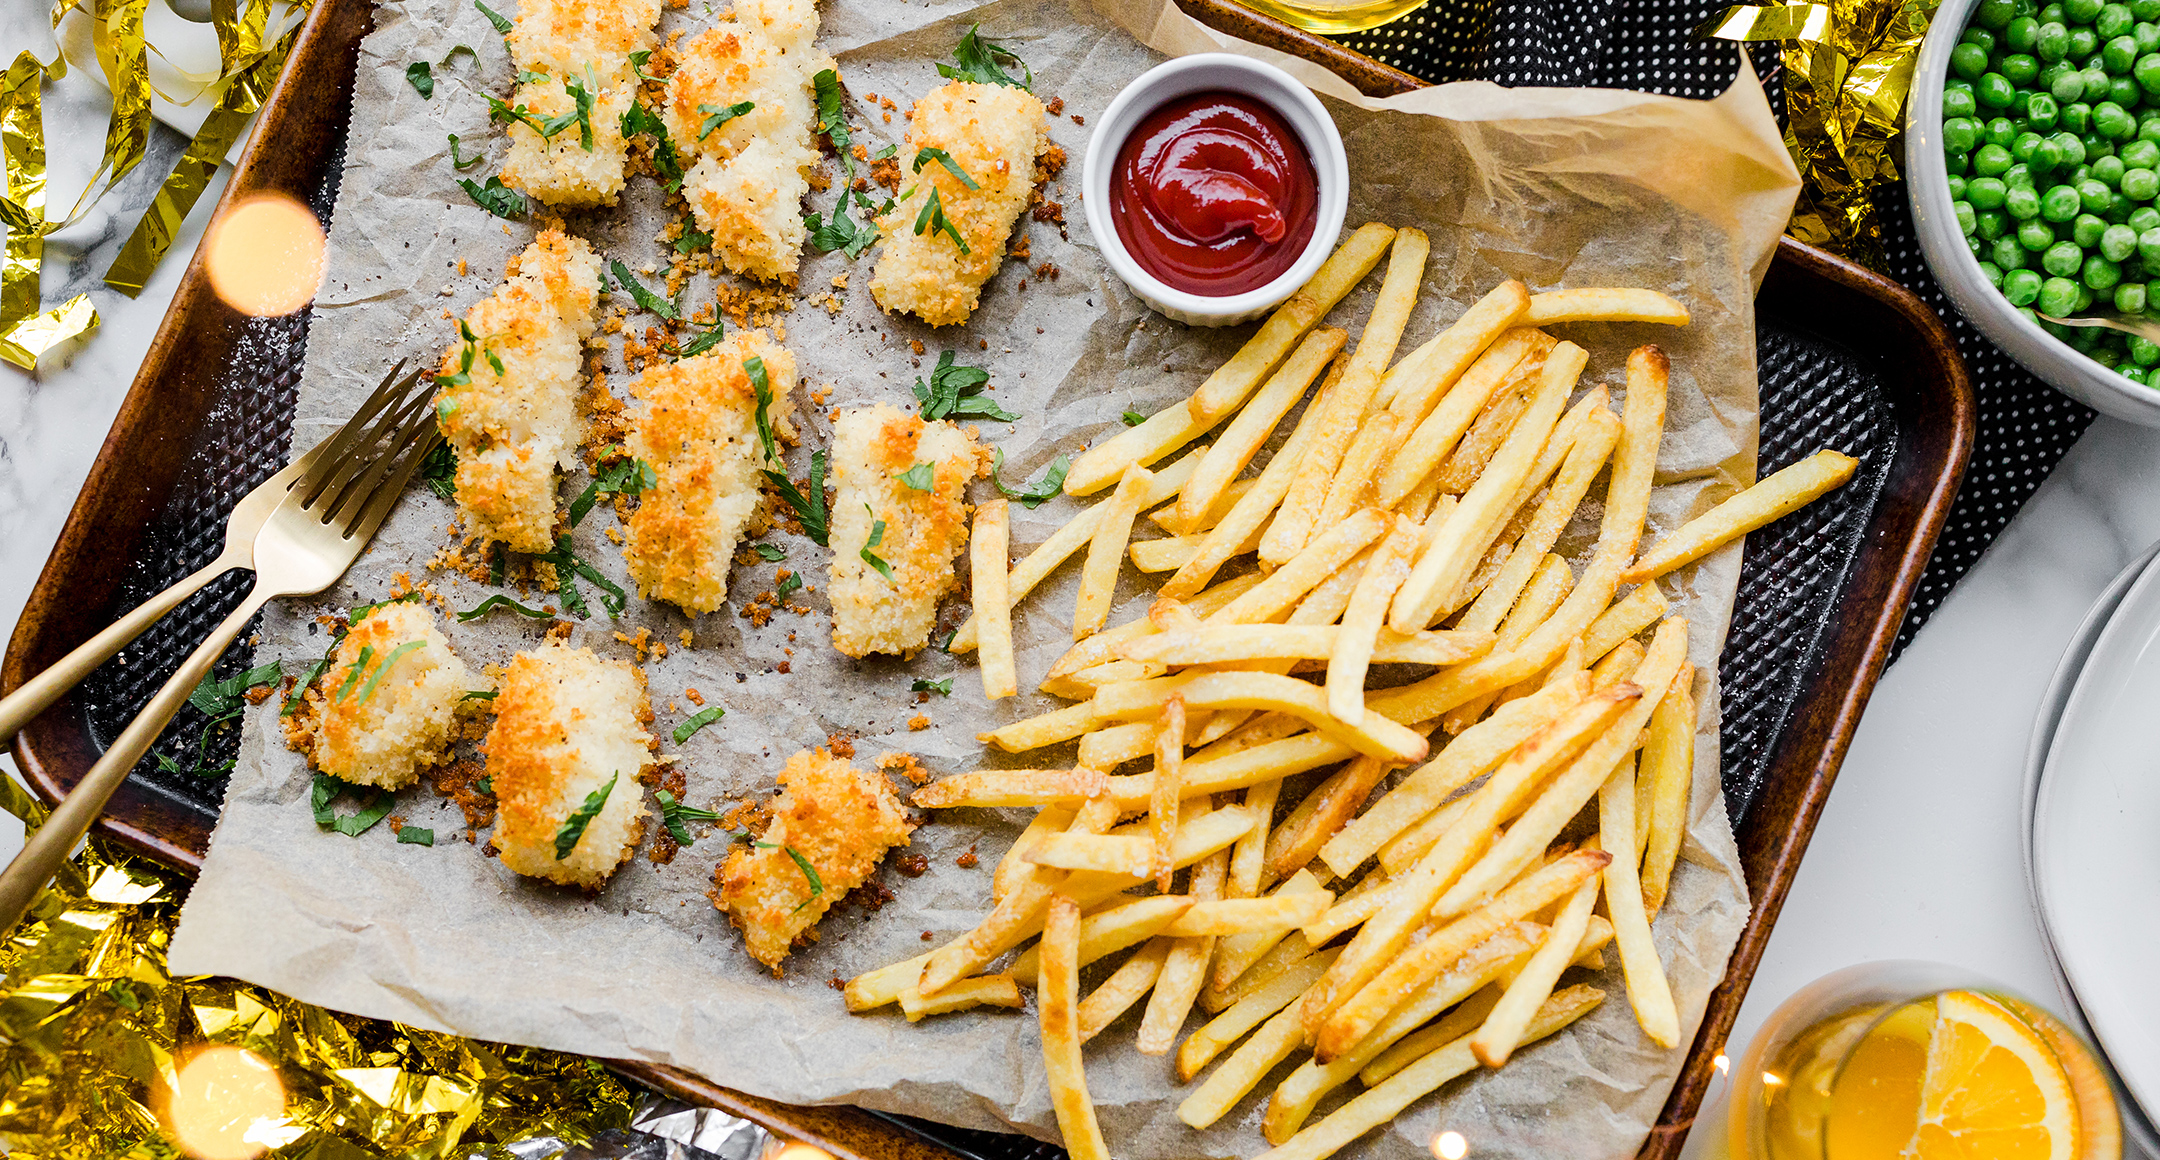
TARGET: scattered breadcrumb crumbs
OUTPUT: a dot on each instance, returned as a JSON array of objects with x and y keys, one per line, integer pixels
[
  {"x": 916, "y": 345},
  {"x": 685, "y": 638},
  {"x": 918, "y": 722},
  {"x": 841, "y": 745},
  {"x": 905, "y": 765},
  {"x": 1056, "y": 106},
  {"x": 693, "y": 696},
  {"x": 967, "y": 860},
  {"x": 461, "y": 267}
]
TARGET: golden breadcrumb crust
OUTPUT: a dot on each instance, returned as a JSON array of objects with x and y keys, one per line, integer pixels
[
  {"x": 995, "y": 134},
  {"x": 566, "y": 721},
  {"x": 924, "y": 530},
  {"x": 841, "y": 821},
  {"x": 382, "y": 732},
  {"x": 590, "y": 44},
  {"x": 699, "y": 432}
]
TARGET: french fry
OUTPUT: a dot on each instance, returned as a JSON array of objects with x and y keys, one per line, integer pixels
[
  {"x": 1593, "y": 445},
  {"x": 1376, "y": 736},
  {"x": 1405, "y": 1035},
  {"x": 1402, "y": 851},
  {"x": 1043, "y": 729},
  {"x": 980, "y": 991},
  {"x": 1058, "y": 996},
  {"x": 1163, "y": 798},
  {"x": 1185, "y": 969},
  {"x": 1421, "y": 1042},
  {"x": 1114, "y": 745},
  {"x": 1615, "y": 666},
  {"x": 1509, "y": 1021},
  {"x": 1235, "y": 1078},
  {"x": 1247, "y": 915},
  {"x": 1356, "y": 1018},
  {"x": 1116, "y": 995},
  {"x": 1234, "y": 644},
  {"x": 1363, "y": 619},
  {"x": 875, "y": 988},
  {"x": 1515, "y": 358},
  {"x": 1202, "y": 1046},
  {"x": 1247, "y": 856},
  {"x": 1351, "y": 909},
  {"x": 1336, "y": 277},
  {"x": 1352, "y": 487},
  {"x": 1292, "y": 948},
  {"x": 1331, "y": 807},
  {"x": 1346, "y": 406},
  {"x": 1253, "y": 510},
  {"x": 1135, "y": 854},
  {"x": 1249, "y": 430},
  {"x": 987, "y": 565},
  {"x": 1103, "y": 646},
  {"x": 1647, "y": 990},
  {"x": 1160, "y": 434},
  {"x": 1047, "y": 820},
  {"x": 1478, "y": 749},
  {"x": 1017, "y": 916},
  {"x": 1174, "y": 552},
  {"x": 1046, "y": 556},
  {"x": 1098, "y": 575},
  {"x": 1628, "y": 616},
  {"x": 1468, "y": 461},
  {"x": 1320, "y": 559},
  {"x": 1780, "y": 494},
  {"x": 1238, "y": 953},
  {"x": 1668, "y": 764},
  {"x": 1110, "y": 930},
  {"x": 1166, "y": 517},
  {"x": 1549, "y": 585},
  {"x": 1471, "y": 527},
  {"x": 1603, "y": 304},
  {"x": 1557, "y": 448},
  {"x": 1446, "y": 359},
  {"x": 1000, "y": 788},
  {"x": 1297, "y": 1096}
]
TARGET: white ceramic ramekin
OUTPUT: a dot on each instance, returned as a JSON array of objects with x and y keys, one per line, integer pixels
[
  {"x": 1201, "y": 73},
  {"x": 1927, "y": 188}
]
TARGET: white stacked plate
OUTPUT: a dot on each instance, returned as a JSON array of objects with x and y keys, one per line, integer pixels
[{"x": 2092, "y": 834}]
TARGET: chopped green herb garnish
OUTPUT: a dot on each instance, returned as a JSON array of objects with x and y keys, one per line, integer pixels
[
  {"x": 568, "y": 566},
  {"x": 415, "y": 836},
  {"x": 216, "y": 698},
  {"x": 647, "y": 301},
  {"x": 842, "y": 233},
  {"x": 461, "y": 164},
  {"x": 1036, "y": 494},
  {"x": 375, "y": 806},
  {"x": 573, "y": 827},
  {"x": 809, "y": 872},
  {"x": 921, "y": 477},
  {"x": 485, "y": 784},
  {"x": 770, "y": 552},
  {"x": 479, "y": 695},
  {"x": 527, "y": 76},
  {"x": 831, "y": 121},
  {"x": 932, "y": 153},
  {"x": 885, "y": 153},
  {"x": 761, "y": 383},
  {"x": 580, "y": 114},
  {"x": 958, "y": 391},
  {"x": 637, "y": 64},
  {"x": 502, "y": 23},
  {"x": 877, "y": 536},
  {"x": 942, "y": 688},
  {"x": 505, "y": 112},
  {"x": 499, "y": 601},
  {"x": 361, "y": 612},
  {"x": 352, "y": 674},
  {"x": 978, "y": 60},
  {"x": 422, "y": 78},
  {"x": 439, "y": 469},
  {"x": 932, "y": 219},
  {"x": 498, "y": 561},
  {"x": 697, "y": 721},
  {"x": 495, "y": 197},
  {"x": 621, "y": 476},
  {"x": 703, "y": 342},
  {"x": 674, "y": 813},
  {"x": 298, "y": 696},
  {"x": 455, "y": 49},
  {"x": 809, "y": 509},
  {"x": 789, "y": 586},
  {"x": 1134, "y": 418},
  {"x": 639, "y": 119},
  {"x": 692, "y": 240},
  {"x": 384, "y": 667},
  {"x": 717, "y": 115}
]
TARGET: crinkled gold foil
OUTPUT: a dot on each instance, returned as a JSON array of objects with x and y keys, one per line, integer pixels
[
  {"x": 24, "y": 332},
  {"x": 1848, "y": 69},
  {"x": 90, "y": 1025}
]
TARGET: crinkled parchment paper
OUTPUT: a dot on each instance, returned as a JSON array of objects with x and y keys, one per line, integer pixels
[{"x": 1556, "y": 187}]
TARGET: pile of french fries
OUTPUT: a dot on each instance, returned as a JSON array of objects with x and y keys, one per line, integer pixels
[{"x": 1409, "y": 519}]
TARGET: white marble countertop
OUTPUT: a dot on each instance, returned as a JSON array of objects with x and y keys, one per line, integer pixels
[{"x": 1917, "y": 853}]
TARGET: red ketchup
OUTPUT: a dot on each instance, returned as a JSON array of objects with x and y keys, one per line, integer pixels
[{"x": 1214, "y": 194}]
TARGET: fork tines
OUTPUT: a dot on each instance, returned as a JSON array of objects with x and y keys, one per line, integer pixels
[{"x": 383, "y": 443}]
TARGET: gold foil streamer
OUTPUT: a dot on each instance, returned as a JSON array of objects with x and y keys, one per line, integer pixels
[
  {"x": 90, "y": 1025},
  {"x": 24, "y": 332},
  {"x": 1848, "y": 69}
]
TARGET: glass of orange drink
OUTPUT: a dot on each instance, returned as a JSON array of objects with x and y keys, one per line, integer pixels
[{"x": 1919, "y": 1061}]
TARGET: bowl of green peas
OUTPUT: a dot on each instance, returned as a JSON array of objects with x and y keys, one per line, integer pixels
[{"x": 2033, "y": 169}]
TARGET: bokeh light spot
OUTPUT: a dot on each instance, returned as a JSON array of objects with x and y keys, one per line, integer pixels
[
  {"x": 264, "y": 255},
  {"x": 801, "y": 1152},
  {"x": 226, "y": 1103},
  {"x": 1450, "y": 1146}
]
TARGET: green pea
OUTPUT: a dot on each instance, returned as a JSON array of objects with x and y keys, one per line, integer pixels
[
  {"x": 1986, "y": 193},
  {"x": 2145, "y": 9},
  {"x": 2107, "y": 356},
  {"x": 2021, "y": 203},
  {"x": 2026, "y": 147},
  {"x": 2147, "y": 72},
  {"x": 2149, "y": 246},
  {"x": 2144, "y": 218},
  {"x": 2062, "y": 260},
  {"x": 1961, "y": 134},
  {"x": 2060, "y": 204},
  {"x": 2124, "y": 91},
  {"x": 2076, "y": 117},
  {"x": 2108, "y": 171},
  {"x": 2144, "y": 33},
  {"x": 1989, "y": 225},
  {"x": 2052, "y": 12},
  {"x": 2041, "y": 111},
  {"x": 2114, "y": 20},
  {"x": 2086, "y": 229},
  {"x": 2096, "y": 82},
  {"x": 1991, "y": 159},
  {"x": 2083, "y": 42},
  {"x": 2021, "y": 68},
  {"x": 2020, "y": 287},
  {"x": 1994, "y": 91},
  {"x": 2143, "y": 352},
  {"x": 2101, "y": 274},
  {"x": 2077, "y": 175},
  {"x": 2117, "y": 56},
  {"x": 2140, "y": 185},
  {"x": 2000, "y": 131},
  {"x": 2006, "y": 252},
  {"x": 1965, "y": 216},
  {"x": 2096, "y": 147},
  {"x": 2139, "y": 153},
  {"x": 2051, "y": 42},
  {"x": 2058, "y": 296},
  {"x": 1957, "y": 162},
  {"x": 2020, "y": 34},
  {"x": 2130, "y": 297},
  {"x": 2095, "y": 195},
  {"x": 2017, "y": 175},
  {"x": 2118, "y": 242},
  {"x": 1978, "y": 36},
  {"x": 2035, "y": 235}
]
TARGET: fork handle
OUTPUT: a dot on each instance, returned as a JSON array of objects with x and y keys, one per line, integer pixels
[
  {"x": 37, "y": 694},
  {"x": 46, "y": 849}
]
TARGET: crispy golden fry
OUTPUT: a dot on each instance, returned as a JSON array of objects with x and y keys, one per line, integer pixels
[
  {"x": 1352, "y": 487},
  {"x": 1098, "y": 575},
  {"x": 1162, "y": 433},
  {"x": 1185, "y": 970},
  {"x": 1557, "y": 449},
  {"x": 1336, "y": 277},
  {"x": 1474, "y": 454},
  {"x": 1046, "y": 556},
  {"x": 1351, "y": 909},
  {"x": 1292, "y": 847},
  {"x": 1202, "y": 1046},
  {"x": 1238, "y": 1075},
  {"x": 1237, "y": 643},
  {"x": 1375, "y": 735},
  {"x": 1384, "y": 572},
  {"x": 1297, "y": 1096},
  {"x": 1617, "y": 664},
  {"x": 1628, "y": 615},
  {"x": 1476, "y": 750},
  {"x": 1414, "y": 1046},
  {"x": 1668, "y": 764},
  {"x": 1058, "y": 995},
  {"x": 1166, "y": 517},
  {"x": 1247, "y": 858},
  {"x": 1603, "y": 304},
  {"x": 1246, "y": 915},
  {"x": 987, "y": 571},
  {"x": 1509, "y": 1021},
  {"x": 1402, "y": 851},
  {"x": 1000, "y": 788},
  {"x": 1784, "y": 492},
  {"x": 1517, "y": 357},
  {"x": 1015, "y": 917},
  {"x": 1237, "y": 954},
  {"x": 873, "y": 989},
  {"x": 1254, "y": 422},
  {"x": 1163, "y": 798},
  {"x": 1464, "y": 981},
  {"x": 1320, "y": 559},
  {"x": 1648, "y": 992},
  {"x": 1356, "y": 1018},
  {"x": 1447, "y": 358},
  {"x": 1048, "y": 820},
  {"x": 1133, "y": 978},
  {"x": 1470, "y": 530},
  {"x": 1593, "y": 445},
  {"x": 1174, "y": 552},
  {"x": 1103, "y": 645},
  {"x": 1348, "y": 404},
  {"x": 1134, "y": 854},
  {"x": 1111, "y": 929},
  {"x": 1045, "y": 729},
  {"x": 980, "y": 991}
]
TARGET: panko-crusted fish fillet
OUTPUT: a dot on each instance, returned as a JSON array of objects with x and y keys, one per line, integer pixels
[
  {"x": 567, "y": 725},
  {"x": 387, "y": 704},
  {"x": 575, "y": 56},
  {"x": 834, "y": 818},
  {"x": 699, "y": 431},
  {"x": 514, "y": 419},
  {"x": 917, "y": 532},
  {"x": 749, "y": 168},
  {"x": 994, "y": 133}
]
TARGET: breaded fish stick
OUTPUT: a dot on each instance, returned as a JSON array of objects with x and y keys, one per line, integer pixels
[
  {"x": 386, "y": 706},
  {"x": 893, "y": 543},
  {"x": 573, "y": 61},
  {"x": 569, "y": 729}
]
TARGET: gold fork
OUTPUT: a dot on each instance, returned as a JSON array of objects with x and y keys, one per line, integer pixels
[
  {"x": 37, "y": 694},
  {"x": 309, "y": 540}
]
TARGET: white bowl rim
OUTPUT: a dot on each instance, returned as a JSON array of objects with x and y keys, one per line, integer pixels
[
  {"x": 1331, "y": 168},
  {"x": 1927, "y": 190}
]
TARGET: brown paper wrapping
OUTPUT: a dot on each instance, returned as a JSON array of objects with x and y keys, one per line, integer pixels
[{"x": 1554, "y": 187}]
